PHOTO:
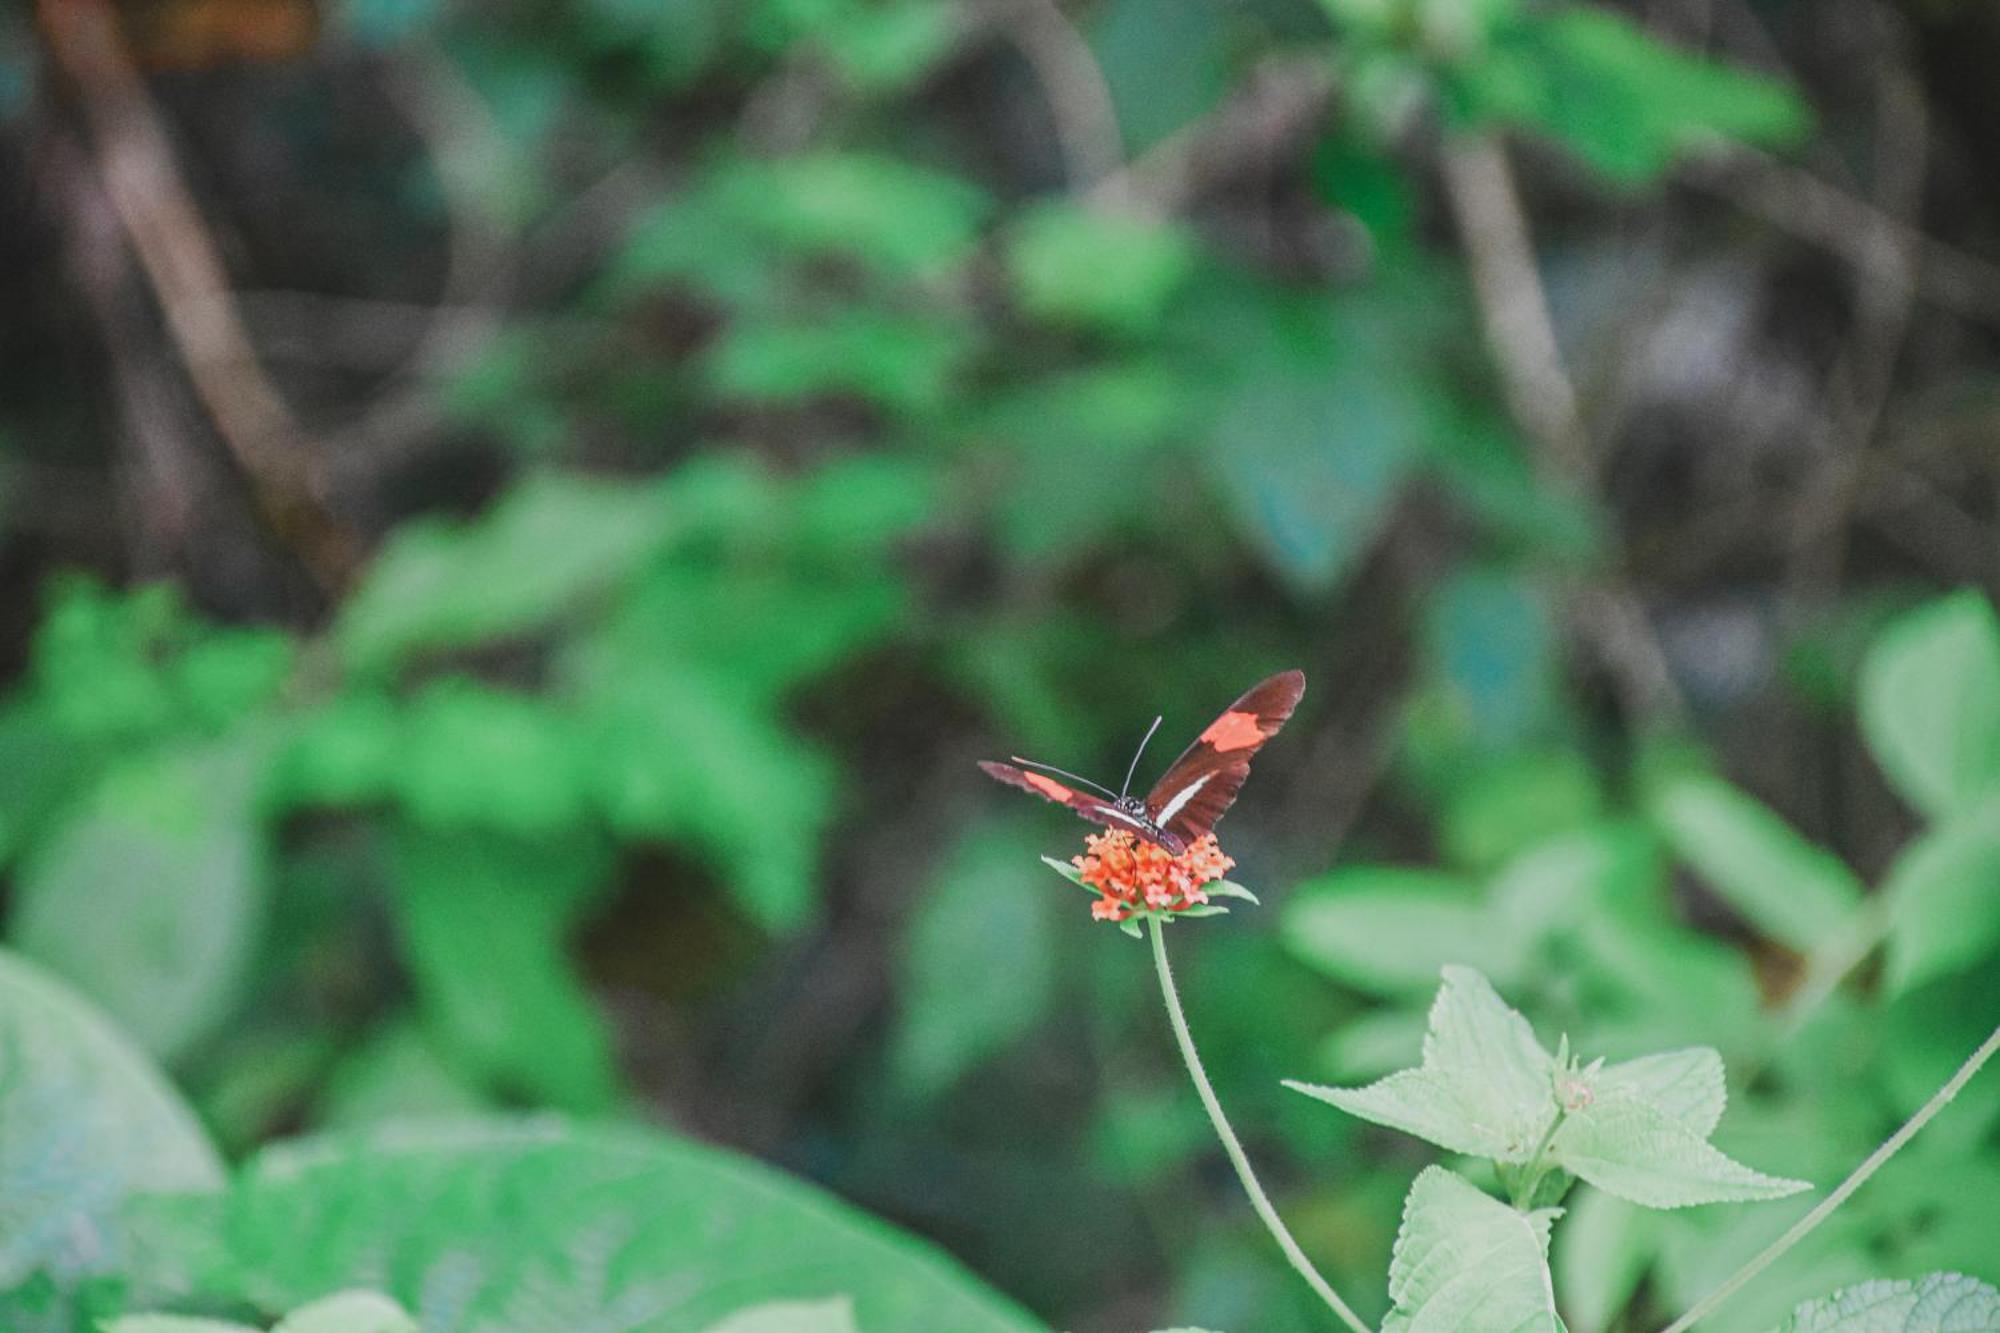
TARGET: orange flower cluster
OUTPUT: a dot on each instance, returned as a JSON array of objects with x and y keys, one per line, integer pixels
[{"x": 1136, "y": 876}]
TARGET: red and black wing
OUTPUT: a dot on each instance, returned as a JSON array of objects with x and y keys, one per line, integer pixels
[
  {"x": 1094, "y": 808},
  {"x": 1202, "y": 784}
]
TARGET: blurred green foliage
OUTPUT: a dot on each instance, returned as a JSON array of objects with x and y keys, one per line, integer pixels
[{"x": 825, "y": 424}]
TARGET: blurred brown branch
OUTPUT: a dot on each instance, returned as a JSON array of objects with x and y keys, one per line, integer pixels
[{"x": 134, "y": 162}]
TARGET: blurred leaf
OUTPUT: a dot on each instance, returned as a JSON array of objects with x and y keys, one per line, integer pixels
[
  {"x": 383, "y": 22},
  {"x": 835, "y": 1315},
  {"x": 349, "y": 1312},
  {"x": 1515, "y": 801},
  {"x": 1467, "y": 1261},
  {"x": 1386, "y": 930},
  {"x": 1795, "y": 892},
  {"x": 537, "y": 1225},
  {"x": 173, "y": 1323},
  {"x": 1930, "y": 703},
  {"x": 396, "y": 1075},
  {"x": 41, "y": 767},
  {"x": 1621, "y": 99},
  {"x": 1943, "y": 899},
  {"x": 544, "y": 550},
  {"x": 1166, "y": 62},
  {"x": 1485, "y": 1084},
  {"x": 472, "y": 757},
  {"x": 1601, "y": 1254},
  {"x": 346, "y": 751},
  {"x": 1373, "y": 1044},
  {"x": 1321, "y": 421},
  {"x": 684, "y": 756},
  {"x": 484, "y": 920},
  {"x": 85, "y": 1121},
  {"x": 900, "y": 363},
  {"x": 151, "y": 896},
  {"x": 1931, "y": 1304},
  {"x": 978, "y": 968},
  {"x": 1096, "y": 270},
  {"x": 1491, "y": 646}
]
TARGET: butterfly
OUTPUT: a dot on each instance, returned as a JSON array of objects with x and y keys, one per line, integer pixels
[{"x": 1196, "y": 789}]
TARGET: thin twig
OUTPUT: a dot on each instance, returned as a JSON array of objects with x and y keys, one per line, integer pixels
[
  {"x": 135, "y": 163},
  {"x": 1073, "y": 85},
  {"x": 1267, "y": 1213},
  {"x": 1805, "y": 1225}
]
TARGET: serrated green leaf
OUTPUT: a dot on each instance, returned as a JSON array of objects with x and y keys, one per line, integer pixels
[
  {"x": 1467, "y": 1263},
  {"x": 1387, "y": 930},
  {"x": 1686, "y": 1084},
  {"x": 1943, "y": 899},
  {"x": 150, "y": 898},
  {"x": 978, "y": 966},
  {"x": 834, "y": 1315},
  {"x": 1799, "y": 894},
  {"x": 484, "y": 920},
  {"x": 1642, "y": 1153},
  {"x": 1930, "y": 703},
  {"x": 1485, "y": 1084},
  {"x": 85, "y": 1122},
  {"x": 540, "y": 1225},
  {"x": 1936, "y": 1303}
]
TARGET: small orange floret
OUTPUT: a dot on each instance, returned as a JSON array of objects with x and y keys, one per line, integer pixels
[
  {"x": 1131, "y": 875},
  {"x": 1233, "y": 731}
]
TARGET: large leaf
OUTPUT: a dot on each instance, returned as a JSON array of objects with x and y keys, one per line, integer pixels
[
  {"x": 85, "y": 1122},
  {"x": 1938, "y": 1303},
  {"x": 1467, "y": 1263},
  {"x": 538, "y": 1225},
  {"x": 346, "y": 1312},
  {"x": 151, "y": 897},
  {"x": 1930, "y": 703},
  {"x": 1484, "y": 1086},
  {"x": 1096, "y": 270},
  {"x": 1944, "y": 899},
  {"x": 484, "y": 920},
  {"x": 1799, "y": 894},
  {"x": 834, "y": 1315},
  {"x": 978, "y": 968},
  {"x": 544, "y": 549}
]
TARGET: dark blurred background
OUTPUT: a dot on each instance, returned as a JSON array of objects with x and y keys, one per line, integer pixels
[{"x": 516, "y": 519}]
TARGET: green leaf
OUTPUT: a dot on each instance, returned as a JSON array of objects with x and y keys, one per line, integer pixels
[
  {"x": 1943, "y": 899},
  {"x": 1318, "y": 429},
  {"x": 1644, "y": 1153},
  {"x": 834, "y": 1315},
  {"x": 1166, "y": 62},
  {"x": 1797, "y": 893},
  {"x": 1484, "y": 1086},
  {"x": 1467, "y": 1263},
  {"x": 1621, "y": 99},
  {"x": 1387, "y": 930},
  {"x": 1930, "y": 703},
  {"x": 484, "y": 921},
  {"x": 1687, "y": 1085},
  {"x": 85, "y": 1121},
  {"x": 1937, "y": 1303},
  {"x": 1491, "y": 650},
  {"x": 468, "y": 756},
  {"x": 349, "y": 1312},
  {"x": 978, "y": 966},
  {"x": 902, "y": 363},
  {"x": 548, "y": 547},
  {"x": 397, "y": 1074},
  {"x": 1072, "y": 265},
  {"x": 173, "y": 1323},
  {"x": 151, "y": 897},
  {"x": 539, "y": 1225}
]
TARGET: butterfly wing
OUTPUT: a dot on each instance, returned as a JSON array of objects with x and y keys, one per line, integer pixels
[
  {"x": 1094, "y": 808},
  {"x": 1201, "y": 785}
]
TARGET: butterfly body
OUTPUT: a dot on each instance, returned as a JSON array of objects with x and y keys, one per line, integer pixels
[{"x": 1196, "y": 789}]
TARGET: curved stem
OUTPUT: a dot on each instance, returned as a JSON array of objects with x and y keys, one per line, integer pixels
[
  {"x": 1890, "y": 1147},
  {"x": 1231, "y": 1145}
]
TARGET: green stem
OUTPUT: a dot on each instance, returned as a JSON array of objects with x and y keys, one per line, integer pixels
[
  {"x": 1231, "y": 1145},
  {"x": 1800, "y": 1229},
  {"x": 1538, "y": 1165}
]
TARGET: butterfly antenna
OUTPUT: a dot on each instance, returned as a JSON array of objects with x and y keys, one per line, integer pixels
[
  {"x": 1133, "y": 767},
  {"x": 1063, "y": 773}
]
